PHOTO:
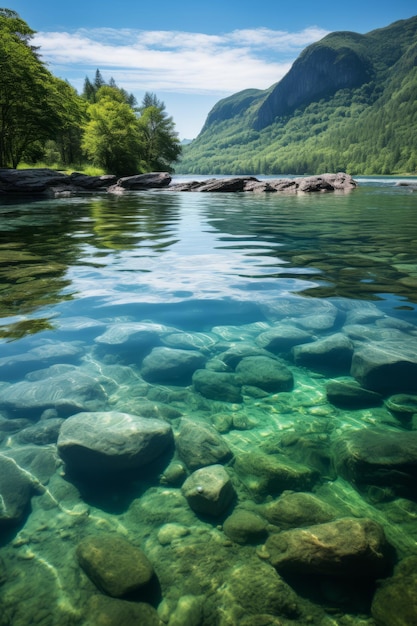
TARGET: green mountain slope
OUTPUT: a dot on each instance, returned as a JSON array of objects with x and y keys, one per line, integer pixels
[{"x": 348, "y": 103}]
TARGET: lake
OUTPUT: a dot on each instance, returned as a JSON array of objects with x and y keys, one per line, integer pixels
[{"x": 220, "y": 387}]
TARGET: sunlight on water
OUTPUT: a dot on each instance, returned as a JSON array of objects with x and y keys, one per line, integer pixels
[{"x": 208, "y": 408}]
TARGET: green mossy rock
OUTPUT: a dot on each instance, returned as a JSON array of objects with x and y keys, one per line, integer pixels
[
  {"x": 105, "y": 611},
  {"x": 244, "y": 526},
  {"x": 292, "y": 510},
  {"x": 266, "y": 373},
  {"x": 115, "y": 565},
  {"x": 395, "y": 602}
]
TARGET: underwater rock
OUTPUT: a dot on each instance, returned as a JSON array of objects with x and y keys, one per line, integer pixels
[
  {"x": 171, "y": 532},
  {"x": 16, "y": 490},
  {"x": 344, "y": 547},
  {"x": 174, "y": 474},
  {"x": 268, "y": 474},
  {"x": 133, "y": 333},
  {"x": 388, "y": 367},
  {"x": 41, "y": 433},
  {"x": 188, "y": 612},
  {"x": 190, "y": 341},
  {"x": 256, "y": 588},
  {"x": 266, "y": 373},
  {"x": 222, "y": 386},
  {"x": 237, "y": 351},
  {"x": 209, "y": 490},
  {"x": 67, "y": 391},
  {"x": 348, "y": 394},
  {"x": 14, "y": 425},
  {"x": 47, "y": 353},
  {"x": 283, "y": 337},
  {"x": 244, "y": 526},
  {"x": 39, "y": 462},
  {"x": 395, "y": 601},
  {"x": 333, "y": 352},
  {"x": 378, "y": 457},
  {"x": 171, "y": 366},
  {"x": 199, "y": 444},
  {"x": 104, "y": 611},
  {"x": 3, "y": 574},
  {"x": 293, "y": 308},
  {"x": 293, "y": 510},
  {"x": 403, "y": 406},
  {"x": 109, "y": 441},
  {"x": 115, "y": 565}
]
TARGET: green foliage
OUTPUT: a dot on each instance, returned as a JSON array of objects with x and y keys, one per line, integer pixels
[
  {"x": 161, "y": 144},
  {"x": 366, "y": 129},
  {"x": 34, "y": 105}
]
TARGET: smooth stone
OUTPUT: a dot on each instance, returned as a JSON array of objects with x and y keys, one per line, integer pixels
[
  {"x": 265, "y": 474},
  {"x": 244, "y": 526},
  {"x": 38, "y": 462},
  {"x": 222, "y": 386},
  {"x": 109, "y": 441},
  {"x": 190, "y": 341},
  {"x": 16, "y": 490},
  {"x": 171, "y": 366},
  {"x": 266, "y": 373},
  {"x": 105, "y": 611},
  {"x": 257, "y": 589},
  {"x": 150, "y": 180},
  {"x": 136, "y": 333},
  {"x": 348, "y": 394},
  {"x": 209, "y": 490},
  {"x": 403, "y": 406},
  {"x": 378, "y": 457},
  {"x": 293, "y": 510},
  {"x": 115, "y": 565},
  {"x": 199, "y": 444},
  {"x": 42, "y": 356},
  {"x": 388, "y": 367},
  {"x": 171, "y": 532},
  {"x": 333, "y": 352},
  {"x": 282, "y": 337},
  {"x": 236, "y": 352},
  {"x": 395, "y": 600},
  {"x": 41, "y": 433},
  {"x": 188, "y": 612},
  {"x": 174, "y": 474},
  {"x": 67, "y": 391},
  {"x": 344, "y": 547}
]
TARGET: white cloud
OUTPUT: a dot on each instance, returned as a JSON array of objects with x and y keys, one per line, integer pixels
[{"x": 177, "y": 61}]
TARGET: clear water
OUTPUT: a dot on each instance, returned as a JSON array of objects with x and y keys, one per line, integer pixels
[{"x": 214, "y": 272}]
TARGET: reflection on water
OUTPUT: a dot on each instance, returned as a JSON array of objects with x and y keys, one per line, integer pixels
[{"x": 201, "y": 379}]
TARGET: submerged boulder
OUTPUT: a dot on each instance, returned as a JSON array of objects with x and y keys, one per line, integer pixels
[
  {"x": 244, "y": 526},
  {"x": 109, "y": 441},
  {"x": 395, "y": 601},
  {"x": 333, "y": 352},
  {"x": 350, "y": 395},
  {"x": 388, "y": 367},
  {"x": 222, "y": 386},
  {"x": 209, "y": 490},
  {"x": 292, "y": 510},
  {"x": 171, "y": 365},
  {"x": 378, "y": 457},
  {"x": 115, "y": 565},
  {"x": 266, "y": 373},
  {"x": 344, "y": 547},
  {"x": 199, "y": 444},
  {"x": 16, "y": 489}
]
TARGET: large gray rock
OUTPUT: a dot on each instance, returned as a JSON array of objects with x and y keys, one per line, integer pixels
[
  {"x": 171, "y": 366},
  {"x": 199, "y": 444},
  {"x": 44, "y": 180},
  {"x": 115, "y": 565},
  {"x": 333, "y": 352},
  {"x": 266, "y": 373},
  {"x": 293, "y": 510},
  {"x": 283, "y": 337},
  {"x": 350, "y": 395},
  {"x": 378, "y": 457},
  {"x": 152, "y": 180},
  {"x": 209, "y": 490},
  {"x": 16, "y": 489},
  {"x": 63, "y": 388},
  {"x": 109, "y": 441},
  {"x": 344, "y": 547},
  {"x": 387, "y": 367},
  {"x": 139, "y": 334},
  {"x": 110, "y": 611},
  {"x": 221, "y": 386}
]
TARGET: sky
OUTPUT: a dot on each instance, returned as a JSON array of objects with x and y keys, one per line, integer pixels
[{"x": 190, "y": 54}]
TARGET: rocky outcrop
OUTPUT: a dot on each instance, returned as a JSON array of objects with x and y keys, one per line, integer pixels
[
  {"x": 319, "y": 183},
  {"x": 52, "y": 183},
  {"x": 209, "y": 490}
]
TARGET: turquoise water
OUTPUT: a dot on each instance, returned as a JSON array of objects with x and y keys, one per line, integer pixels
[{"x": 111, "y": 304}]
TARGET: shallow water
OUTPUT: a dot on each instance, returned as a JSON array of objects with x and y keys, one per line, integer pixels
[{"x": 212, "y": 274}]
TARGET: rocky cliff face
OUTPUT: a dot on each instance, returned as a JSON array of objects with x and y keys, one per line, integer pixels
[{"x": 336, "y": 62}]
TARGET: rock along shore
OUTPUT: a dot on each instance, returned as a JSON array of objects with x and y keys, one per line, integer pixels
[{"x": 51, "y": 183}]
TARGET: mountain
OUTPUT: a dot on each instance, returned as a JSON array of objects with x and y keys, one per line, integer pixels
[{"x": 349, "y": 102}]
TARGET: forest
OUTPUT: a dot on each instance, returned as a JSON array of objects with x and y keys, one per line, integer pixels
[
  {"x": 43, "y": 120},
  {"x": 365, "y": 126}
]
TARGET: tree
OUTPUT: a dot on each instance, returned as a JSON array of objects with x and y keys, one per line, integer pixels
[
  {"x": 111, "y": 136},
  {"x": 161, "y": 144},
  {"x": 34, "y": 105}
]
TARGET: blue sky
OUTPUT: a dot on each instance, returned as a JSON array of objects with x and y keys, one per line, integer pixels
[{"x": 191, "y": 55}]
